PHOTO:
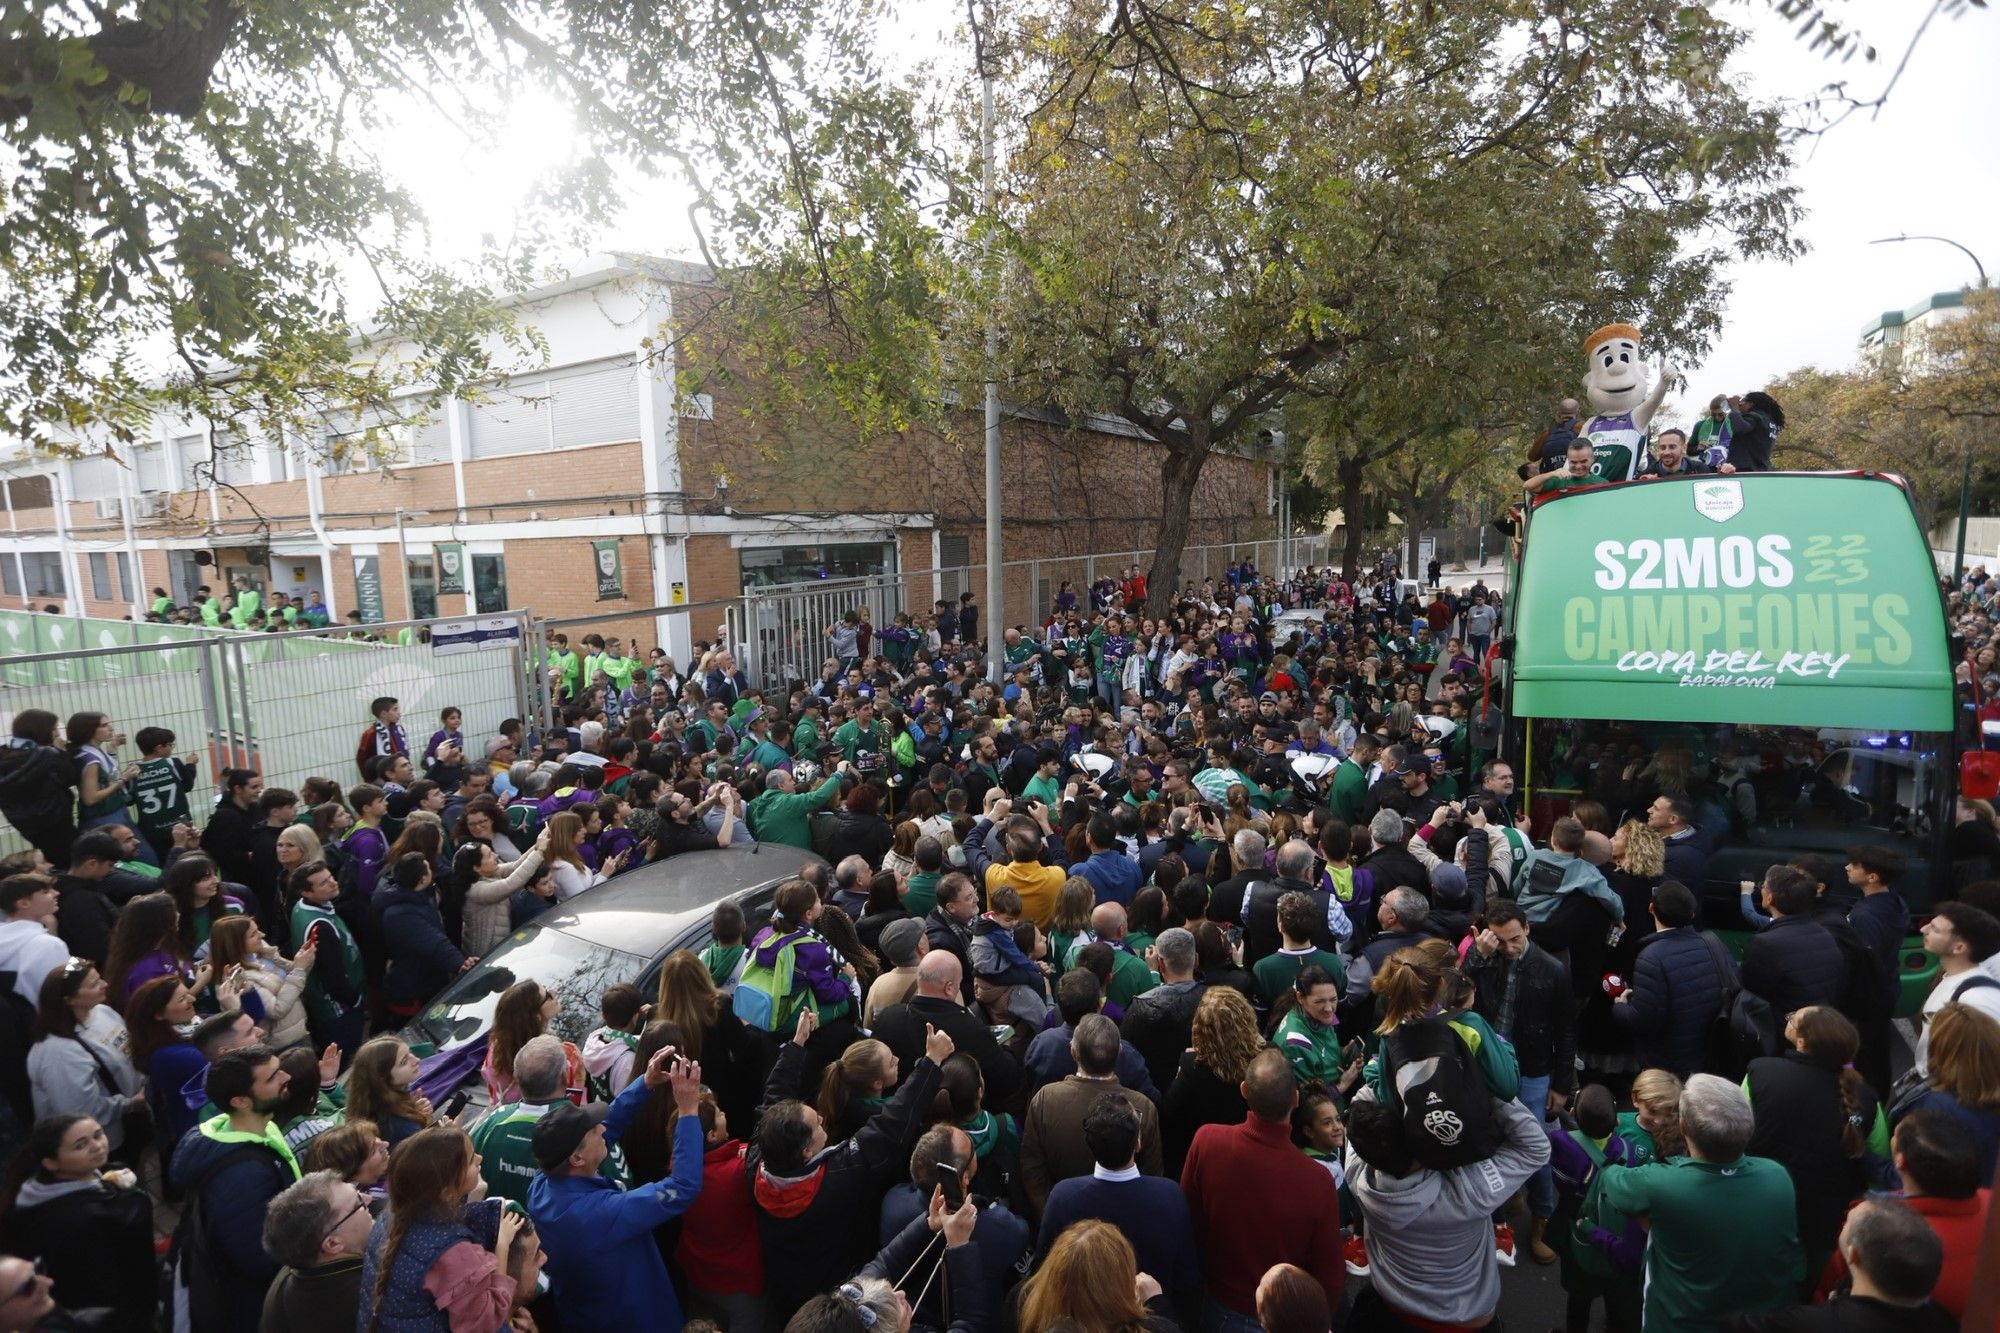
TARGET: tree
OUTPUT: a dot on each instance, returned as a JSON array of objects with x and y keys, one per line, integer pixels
[
  {"x": 1920, "y": 413},
  {"x": 192, "y": 179},
  {"x": 1215, "y": 215}
]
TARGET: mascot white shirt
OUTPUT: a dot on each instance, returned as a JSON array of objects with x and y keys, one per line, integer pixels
[{"x": 1623, "y": 403}]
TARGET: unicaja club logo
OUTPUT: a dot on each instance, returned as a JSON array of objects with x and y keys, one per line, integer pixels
[{"x": 1720, "y": 500}]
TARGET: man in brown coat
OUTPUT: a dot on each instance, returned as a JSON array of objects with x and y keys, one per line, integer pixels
[{"x": 1053, "y": 1147}]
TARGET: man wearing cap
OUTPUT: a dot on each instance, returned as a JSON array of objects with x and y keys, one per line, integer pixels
[
  {"x": 604, "y": 1267},
  {"x": 760, "y": 749},
  {"x": 904, "y": 944}
]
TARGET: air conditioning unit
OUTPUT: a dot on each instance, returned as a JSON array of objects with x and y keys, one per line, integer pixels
[
  {"x": 697, "y": 407},
  {"x": 149, "y": 504},
  {"x": 107, "y": 507}
]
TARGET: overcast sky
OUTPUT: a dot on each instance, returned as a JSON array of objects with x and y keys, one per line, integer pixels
[{"x": 1928, "y": 163}]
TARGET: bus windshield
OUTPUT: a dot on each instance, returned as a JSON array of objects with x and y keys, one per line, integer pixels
[{"x": 1762, "y": 794}]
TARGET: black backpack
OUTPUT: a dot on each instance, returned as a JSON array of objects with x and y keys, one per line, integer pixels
[
  {"x": 1431, "y": 1079},
  {"x": 1745, "y": 1027}
]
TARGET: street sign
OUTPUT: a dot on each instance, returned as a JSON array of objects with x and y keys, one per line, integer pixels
[{"x": 469, "y": 636}]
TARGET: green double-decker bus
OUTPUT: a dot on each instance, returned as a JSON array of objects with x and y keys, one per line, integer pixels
[{"x": 1772, "y": 646}]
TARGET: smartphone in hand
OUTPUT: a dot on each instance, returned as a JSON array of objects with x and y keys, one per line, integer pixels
[{"x": 953, "y": 1185}]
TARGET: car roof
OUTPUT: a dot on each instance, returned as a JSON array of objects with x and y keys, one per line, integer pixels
[{"x": 645, "y": 910}]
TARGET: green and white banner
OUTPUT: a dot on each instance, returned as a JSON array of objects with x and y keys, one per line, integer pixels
[{"x": 1788, "y": 599}]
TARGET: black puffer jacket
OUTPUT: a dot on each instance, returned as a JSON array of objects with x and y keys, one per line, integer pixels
[
  {"x": 35, "y": 782},
  {"x": 1676, "y": 995},
  {"x": 1544, "y": 1028},
  {"x": 1794, "y": 962}
]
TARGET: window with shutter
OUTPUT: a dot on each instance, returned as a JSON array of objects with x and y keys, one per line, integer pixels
[
  {"x": 149, "y": 468},
  {"x": 512, "y": 420},
  {"x": 595, "y": 404},
  {"x": 93, "y": 477}
]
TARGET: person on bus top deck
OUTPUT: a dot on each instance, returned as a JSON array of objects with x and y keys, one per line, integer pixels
[
  {"x": 1577, "y": 473},
  {"x": 1669, "y": 457}
]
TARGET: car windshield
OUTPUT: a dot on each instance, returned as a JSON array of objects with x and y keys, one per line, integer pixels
[{"x": 576, "y": 970}]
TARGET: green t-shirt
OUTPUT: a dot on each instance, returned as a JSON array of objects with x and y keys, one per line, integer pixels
[
  {"x": 570, "y": 667},
  {"x": 852, "y": 740},
  {"x": 1130, "y": 978},
  {"x": 921, "y": 896},
  {"x": 1724, "y": 1239},
  {"x": 721, "y": 961},
  {"x": 619, "y": 669},
  {"x": 1565, "y": 482},
  {"x": 1044, "y": 788},
  {"x": 160, "y": 795},
  {"x": 505, "y": 1140},
  {"x": 1276, "y": 973}
]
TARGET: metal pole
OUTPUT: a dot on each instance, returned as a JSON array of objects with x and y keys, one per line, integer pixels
[
  {"x": 1890, "y": 240},
  {"x": 403, "y": 559},
  {"x": 1964, "y": 516},
  {"x": 995, "y": 580}
]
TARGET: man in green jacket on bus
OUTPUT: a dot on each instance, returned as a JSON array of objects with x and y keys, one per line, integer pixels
[
  {"x": 1350, "y": 780},
  {"x": 783, "y": 813}
]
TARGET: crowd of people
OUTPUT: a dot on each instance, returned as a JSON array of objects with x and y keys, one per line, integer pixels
[{"x": 1204, "y": 972}]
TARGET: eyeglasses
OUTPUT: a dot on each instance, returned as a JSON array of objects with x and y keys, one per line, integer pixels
[{"x": 360, "y": 1206}]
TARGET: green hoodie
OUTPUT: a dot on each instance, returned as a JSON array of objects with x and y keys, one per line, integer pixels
[
  {"x": 786, "y": 816},
  {"x": 218, "y": 1129}
]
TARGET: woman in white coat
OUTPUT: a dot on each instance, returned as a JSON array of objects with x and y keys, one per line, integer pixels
[
  {"x": 488, "y": 886},
  {"x": 77, "y": 1065},
  {"x": 281, "y": 983}
]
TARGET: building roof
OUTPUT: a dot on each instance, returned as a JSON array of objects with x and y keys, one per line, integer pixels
[{"x": 1889, "y": 319}]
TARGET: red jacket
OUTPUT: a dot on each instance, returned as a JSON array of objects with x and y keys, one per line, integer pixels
[
  {"x": 1959, "y": 1223},
  {"x": 720, "y": 1250},
  {"x": 1256, "y": 1201}
]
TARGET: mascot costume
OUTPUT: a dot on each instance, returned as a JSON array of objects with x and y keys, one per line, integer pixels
[{"x": 1616, "y": 385}]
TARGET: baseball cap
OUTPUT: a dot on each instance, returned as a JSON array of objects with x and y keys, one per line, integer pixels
[
  {"x": 496, "y": 745},
  {"x": 562, "y": 1129},
  {"x": 1269, "y": 697}
]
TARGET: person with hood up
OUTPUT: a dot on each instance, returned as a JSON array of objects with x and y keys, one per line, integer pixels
[
  {"x": 36, "y": 785},
  {"x": 816, "y": 1203},
  {"x": 1430, "y": 1233},
  {"x": 604, "y": 1265}
]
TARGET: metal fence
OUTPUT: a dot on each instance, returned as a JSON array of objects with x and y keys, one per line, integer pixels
[
  {"x": 783, "y": 632},
  {"x": 291, "y": 706}
]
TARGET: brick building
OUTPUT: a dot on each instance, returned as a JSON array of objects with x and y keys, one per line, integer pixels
[{"x": 517, "y": 486}]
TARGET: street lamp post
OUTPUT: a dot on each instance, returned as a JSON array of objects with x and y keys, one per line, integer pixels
[{"x": 1965, "y": 480}]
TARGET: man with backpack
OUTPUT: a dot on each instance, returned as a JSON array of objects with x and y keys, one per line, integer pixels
[
  {"x": 230, "y": 1168},
  {"x": 1523, "y": 991},
  {"x": 1431, "y": 1261}
]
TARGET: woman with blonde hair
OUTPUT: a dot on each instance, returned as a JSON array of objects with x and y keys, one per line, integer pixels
[
  {"x": 435, "y": 1259},
  {"x": 238, "y": 941},
  {"x": 1207, "y": 1087},
  {"x": 1964, "y": 1078},
  {"x": 1655, "y": 1122},
  {"x": 1090, "y": 1281},
  {"x": 1069, "y": 929}
]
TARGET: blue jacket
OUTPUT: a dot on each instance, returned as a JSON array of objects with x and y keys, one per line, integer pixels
[
  {"x": 232, "y": 1212},
  {"x": 604, "y": 1266},
  {"x": 1676, "y": 994},
  {"x": 422, "y": 958},
  {"x": 1114, "y": 875},
  {"x": 1151, "y": 1212},
  {"x": 1049, "y": 1061}
]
